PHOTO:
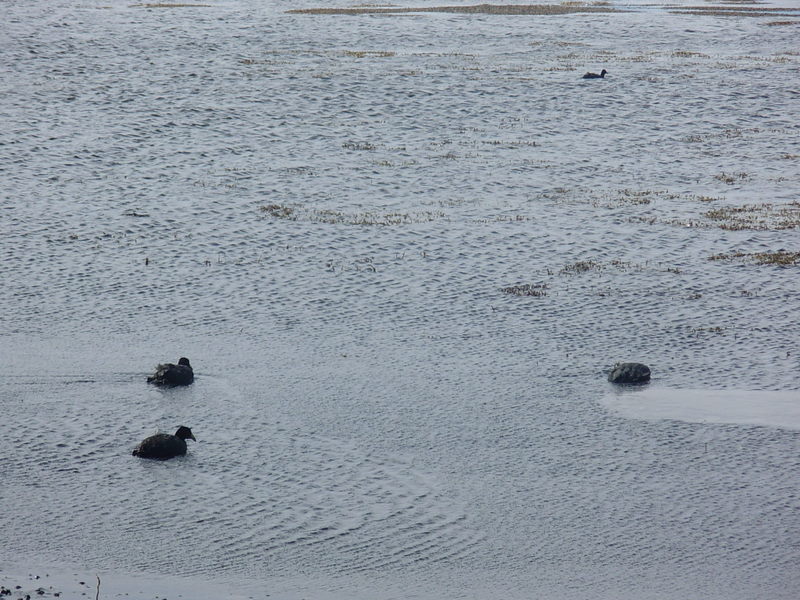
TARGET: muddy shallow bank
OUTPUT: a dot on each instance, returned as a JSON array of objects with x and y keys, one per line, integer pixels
[{"x": 489, "y": 9}]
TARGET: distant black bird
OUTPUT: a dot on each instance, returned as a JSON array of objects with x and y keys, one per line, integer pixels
[
  {"x": 595, "y": 75},
  {"x": 170, "y": 375},
  {"x": 162, "y": 446}
]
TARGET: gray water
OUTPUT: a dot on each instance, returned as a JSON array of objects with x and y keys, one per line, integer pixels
[{"x": 330, "y": 216}]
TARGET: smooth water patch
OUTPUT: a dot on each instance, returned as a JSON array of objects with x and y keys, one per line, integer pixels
[{"x": 744, "y": 407}]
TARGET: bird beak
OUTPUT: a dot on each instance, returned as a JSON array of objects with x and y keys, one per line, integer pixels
[{"x": 194, "y": 438}]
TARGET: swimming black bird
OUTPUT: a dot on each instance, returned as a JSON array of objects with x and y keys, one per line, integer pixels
[
  {"x": 171, "y": 375},
  {"x": 163, "y": 446},
  {"x": 595, "y": 75}
]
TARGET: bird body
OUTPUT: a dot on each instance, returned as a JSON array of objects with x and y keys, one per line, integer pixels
[
  {"x": 595, "y": 75},
  {"x": 163, "y": 446},
  {"x": 170, "y": 375}
]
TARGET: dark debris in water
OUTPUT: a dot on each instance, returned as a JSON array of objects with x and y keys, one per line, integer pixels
[{"x": 19, "y": 592}]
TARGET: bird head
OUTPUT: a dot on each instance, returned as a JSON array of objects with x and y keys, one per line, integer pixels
[{"x": 185, "y": 433}]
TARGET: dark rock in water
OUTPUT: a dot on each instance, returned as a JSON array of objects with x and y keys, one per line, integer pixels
[
  {"x": 170, "y": 375},
  {"x": 162, "y": 446},
  {"x": 629, "y": 373}
]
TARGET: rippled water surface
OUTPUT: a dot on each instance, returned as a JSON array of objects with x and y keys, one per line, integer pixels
[{"x": 401, "y": 252}]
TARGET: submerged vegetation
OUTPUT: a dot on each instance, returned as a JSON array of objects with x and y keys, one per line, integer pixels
[
  {"x": 583, "y": 266},
  {"x": 780, "y": 258},
  {"x": 526, "y": 289},
  {"x": 765, "y": 216},
  {"x": 620, "y": 197},
  {"x": 167, "y": 5},
  {"x": 280, "y": 211},
  {"x": 734, "y": 11},
  {"x": 369, "y": 53},
  {"x": 730, "y": 178}
]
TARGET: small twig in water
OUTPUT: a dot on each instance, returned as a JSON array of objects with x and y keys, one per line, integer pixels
[{"x": 97, "y": 595}]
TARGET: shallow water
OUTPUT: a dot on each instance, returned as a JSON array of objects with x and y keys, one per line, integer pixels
[{"x": 323, "y": 213}]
